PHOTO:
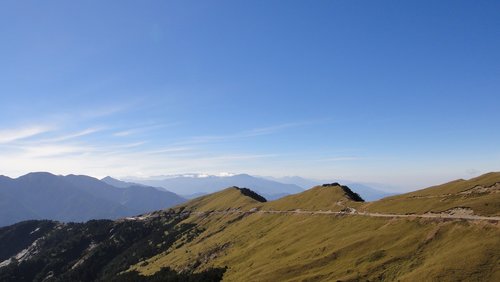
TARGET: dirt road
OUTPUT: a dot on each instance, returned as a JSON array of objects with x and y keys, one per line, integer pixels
[{"x": 358, "y": 213}]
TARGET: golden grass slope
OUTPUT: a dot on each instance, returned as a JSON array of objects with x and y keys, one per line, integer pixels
[
  {"x": 480, "y": 194},
  {"x": 326, "y": 247},
  {"x": 331, "y": 198},
  {"x": 269, "y": 247},
  {"x": 230, "y": 198}
]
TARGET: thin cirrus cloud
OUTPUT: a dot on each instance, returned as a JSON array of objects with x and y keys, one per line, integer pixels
[
  {"x": 63, "y": 151},
  {"x": 248, "y": 133},
  {"x": 276, "y": 128},
  {"x": 138, "y": 130},
  {"x": 169, "y": 150},
  {"x": 340, "y": 159},
  {"x": 54, "y": 151},
  {"x": 104, "y": 111},
  {"x": 125, "y": 133},
  {"x": 72, "y": 135},
  {"x": 11, "y": 135}
]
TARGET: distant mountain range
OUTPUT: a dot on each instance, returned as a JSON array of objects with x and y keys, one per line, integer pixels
[
  {"x": 369, "y": 192},
  {"x": 120, "y": 184},
  {"x": 80, "y": 198},
  {"x": 76, "y": 198},
  {"x": 195, "y": 184}
]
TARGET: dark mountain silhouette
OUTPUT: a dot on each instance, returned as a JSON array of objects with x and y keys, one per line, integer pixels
[
  {"x": 249, "y": 193},
  {"x": 368, "y": 192},
  {"x": 348, "y": 192},
  {"x": 43, "y": 195}
]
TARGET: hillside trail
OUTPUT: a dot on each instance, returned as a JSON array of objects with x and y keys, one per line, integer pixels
[{"x": 351, "y": 211}]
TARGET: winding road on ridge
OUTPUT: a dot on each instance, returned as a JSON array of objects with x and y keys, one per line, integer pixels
[{"x": 357, "y": 213}]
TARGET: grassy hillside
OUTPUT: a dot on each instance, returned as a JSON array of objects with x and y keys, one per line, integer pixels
[
  {"x": 327, "y": 197},
  {"x": 230, "y": 198},
  {"x": 480, "y": 194},
  {"x": 300, "y": 247},
  {"x": 264, "y": 247}
]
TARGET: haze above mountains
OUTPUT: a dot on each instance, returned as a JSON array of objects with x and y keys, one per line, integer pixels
[
  {"x": 269, "y": 187},
  {"x": 195, "y": 184}
]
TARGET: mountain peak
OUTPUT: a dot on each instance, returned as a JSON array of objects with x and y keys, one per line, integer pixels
[
  {"x": 348, "y": 192},
  {"x": 333, "y": 196},
  {"x": 190, "y": 185},
  {"x": 229, "y": 198},
  {"x": 38, "y": 174},
  {"x": 249, "y": 193},
  {"x": 242, "y": 175}
]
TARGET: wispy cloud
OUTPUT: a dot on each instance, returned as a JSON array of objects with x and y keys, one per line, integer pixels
[
  {"x": 248, "y": 133},
  {"x": 10, "y": 135},
  {"x": 104, "y": 111},
  {"x": 234, "y": 157},
  {"x": 54, "y": 151},
  {"x": 169, "y": 150},
  {"x": 73, "y": 135},
  {"x": 63, "y": 151},
  {"x": 141, "y": 129},
  {"x": 275, "y": 128},
  {"x": 131, "y": 145},
  {"x": 339, "y": 159},
  {"x": 125, "y": 133}
]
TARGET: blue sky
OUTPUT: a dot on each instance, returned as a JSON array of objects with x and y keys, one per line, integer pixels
[{"x": 397, "y": 92}]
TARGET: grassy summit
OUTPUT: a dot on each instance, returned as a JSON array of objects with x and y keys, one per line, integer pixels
[
  {"x": 334, "y": 197},
  {"x": 230, "y": 198}
]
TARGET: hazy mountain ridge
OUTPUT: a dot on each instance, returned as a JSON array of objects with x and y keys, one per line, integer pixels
[
  {"x": 234, "y": 235},
  {"x": 191, "y": 184},
  {"x": 75, "y": 198},
  {"x": 118, "y": 183},
  {"x": 369, "y": 192}
]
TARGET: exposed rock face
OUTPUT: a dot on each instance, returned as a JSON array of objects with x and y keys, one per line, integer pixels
[
  {"x": 249, "y": 193},
  {"x": 349, "y": 193},
  {"x": 331, "y": 184}
]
